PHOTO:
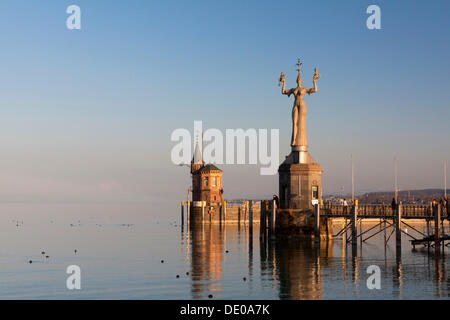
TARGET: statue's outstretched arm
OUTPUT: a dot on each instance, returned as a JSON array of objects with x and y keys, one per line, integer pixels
[
  {"x": 315, "y": 78},
  {"x": 282, "y": 83}
]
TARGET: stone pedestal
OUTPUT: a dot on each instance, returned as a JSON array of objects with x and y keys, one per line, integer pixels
[
  {"x": 300, "y": 222},
  {"x": 300, "y": 187},
  {"x": 300, "y": 181}
]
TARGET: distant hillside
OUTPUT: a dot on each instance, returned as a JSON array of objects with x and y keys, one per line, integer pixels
[{"x": 412, "y": 196}]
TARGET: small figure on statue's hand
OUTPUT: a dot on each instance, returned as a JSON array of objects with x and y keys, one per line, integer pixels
[{"x": 282, "y": 80}]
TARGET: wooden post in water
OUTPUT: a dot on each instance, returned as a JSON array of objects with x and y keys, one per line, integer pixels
[
  {"x": 224, "y": 211},
  {"x": 354, "y": 223},
  {"x": 250, "y": 216},
  {"x": 360, "y": 232},
  {"x": 246, "y": 212},
  {"x": 398, "y": 229},
  {"x": 239, "y": 215},
  {"x": 272, "y": 219},
  {"x": 398, "y": 222},
  {"x": 203, "y": 211},
  {"x": 263, "y": 219},
  {"x": 188, "y": 216},
  {"x": 437, "y": 233},
  {"x": 317, "y": 222},
  {"x": 429, "y": 217},
  {"x": 182, "y": 213}
]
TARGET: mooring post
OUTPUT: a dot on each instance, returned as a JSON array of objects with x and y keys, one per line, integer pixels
[
  {"x": 203, "y": 211},
  {"x": 398, "y": 228},
  {"x": 317, "y": 222},
  {"x": 272, "y": 218},
  {"x": 269, "y": 219},
  {"x": 437, "y": 231},
  {"x": 264, "y": 218},
  {"x": 360, "y": 232},
  {"x": 224, "y": 211},
  {"x": 398, "y": 222},
  {"x": 239, "y": 215},
  {"x": 250, "y": 216},
  {"x": 188, "y": 216},
  {"x": 182, "y": 213},
  {"x": 431, "y": 211},
  {"x": 354, "y": 223},
  {"x": 344, "y": 227},
  {"x": 246, "y": 211},
  {"x": 261, "y": 217}
]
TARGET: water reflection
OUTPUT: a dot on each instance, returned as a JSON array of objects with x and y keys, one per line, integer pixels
[
  {"x": 299, "y": 269},
  {"x": 207, "y": 250},
  {"x": 296, "y": 265}
]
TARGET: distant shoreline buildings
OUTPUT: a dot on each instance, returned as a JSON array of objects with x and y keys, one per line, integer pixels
[{"x": 421, "y": 196}]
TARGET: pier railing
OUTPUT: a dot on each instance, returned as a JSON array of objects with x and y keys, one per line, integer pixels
[{"x": 410, "y": 211}]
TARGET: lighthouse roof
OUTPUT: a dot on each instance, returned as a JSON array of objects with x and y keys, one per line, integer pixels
[
  {"x": 197, "y": 155},
  {"x": 210, "y": 168}
]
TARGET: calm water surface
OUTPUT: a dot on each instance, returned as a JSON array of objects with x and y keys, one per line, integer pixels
[{"x": 119, "y": 251}]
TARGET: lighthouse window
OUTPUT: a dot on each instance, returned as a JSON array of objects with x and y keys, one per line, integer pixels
[{"x": 315, "y": 192}]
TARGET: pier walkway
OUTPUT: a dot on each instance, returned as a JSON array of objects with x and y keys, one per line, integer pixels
[{"x": 392, "y": 219}]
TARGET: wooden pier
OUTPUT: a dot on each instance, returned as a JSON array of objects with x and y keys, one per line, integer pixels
[
  {"x": 388, "y": 220},
  {"x": 393, "y": 220}
]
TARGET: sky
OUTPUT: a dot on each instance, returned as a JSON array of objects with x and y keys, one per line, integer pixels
[{"x": 86, "y": 115}]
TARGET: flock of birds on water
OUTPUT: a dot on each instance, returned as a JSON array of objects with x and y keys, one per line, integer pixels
[
  {"x": 187, "y": 274},
  {"x": 47, "y": 256},
  {"x": 43, "y": 253}
]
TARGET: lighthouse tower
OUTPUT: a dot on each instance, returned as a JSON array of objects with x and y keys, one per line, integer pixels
[{"x": 206, "y": 180}]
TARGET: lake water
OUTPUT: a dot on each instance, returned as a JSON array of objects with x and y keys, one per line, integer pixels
[{"x": 120, "y": 248}]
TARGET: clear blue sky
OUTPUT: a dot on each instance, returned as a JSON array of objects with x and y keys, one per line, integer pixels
[{"x": 87, "y": 115}]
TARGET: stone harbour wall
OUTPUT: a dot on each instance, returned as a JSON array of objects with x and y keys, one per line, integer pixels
[{"x": 219, "y": 213}]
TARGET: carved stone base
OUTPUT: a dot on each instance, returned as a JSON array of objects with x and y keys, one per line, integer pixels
[
  {"x": 300, "y": 181},
  {"x": 301, "y": 223}
]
